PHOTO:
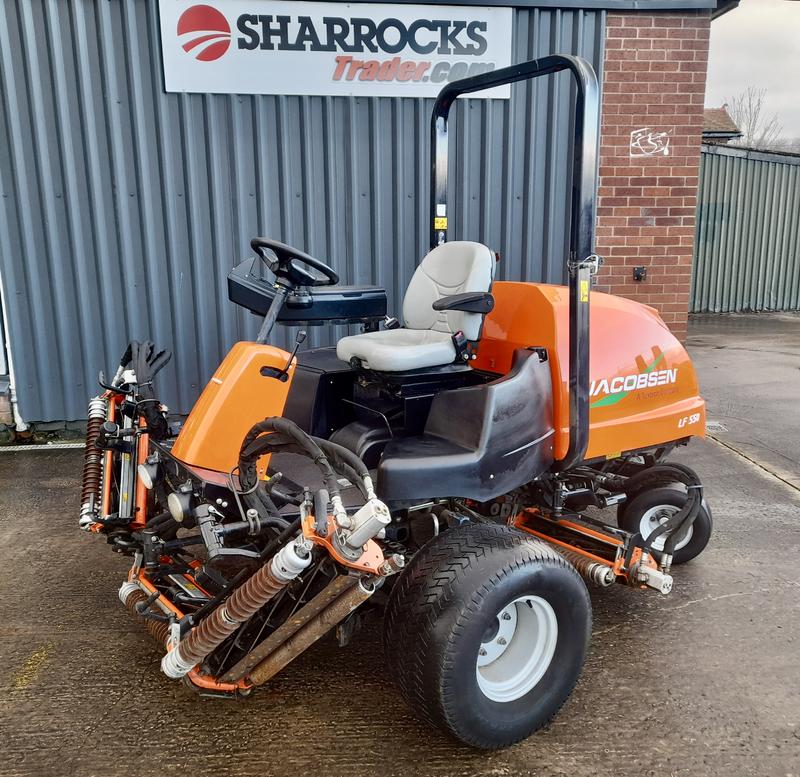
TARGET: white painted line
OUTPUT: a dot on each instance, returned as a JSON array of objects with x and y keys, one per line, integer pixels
[{"x": 56, "y": 446}]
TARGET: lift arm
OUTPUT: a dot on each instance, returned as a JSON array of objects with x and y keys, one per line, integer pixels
[{"x": 581, "y": 260}]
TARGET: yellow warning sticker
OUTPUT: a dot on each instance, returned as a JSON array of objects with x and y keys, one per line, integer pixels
[
  {"x": 440, "y": 222},
  {"x": 584, "y": 291}
]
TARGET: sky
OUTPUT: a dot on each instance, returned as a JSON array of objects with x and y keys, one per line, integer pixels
[{"x": 758, "y": 43}]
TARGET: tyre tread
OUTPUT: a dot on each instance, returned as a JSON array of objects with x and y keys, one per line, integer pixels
[{"x": 428, "y": 588}]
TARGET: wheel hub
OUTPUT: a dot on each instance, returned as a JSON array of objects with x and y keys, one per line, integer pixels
[
  {"x": 657, "y": 516},
  {"x": 517, "y": 649}
]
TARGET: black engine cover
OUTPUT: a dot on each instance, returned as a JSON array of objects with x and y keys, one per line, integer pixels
[{"x": 479, "y": 442}]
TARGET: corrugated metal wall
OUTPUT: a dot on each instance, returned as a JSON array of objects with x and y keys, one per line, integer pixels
[
  {"x": 123, "y": 207},
  {"x": 747, "y": 250}
]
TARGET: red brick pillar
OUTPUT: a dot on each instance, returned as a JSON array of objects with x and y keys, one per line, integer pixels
[{"x": 652, "y": 117}]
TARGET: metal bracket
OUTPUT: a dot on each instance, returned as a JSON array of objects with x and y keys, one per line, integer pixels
[
  {"x": 593, "y": 263},
  {"x": 212, "y": 534}
]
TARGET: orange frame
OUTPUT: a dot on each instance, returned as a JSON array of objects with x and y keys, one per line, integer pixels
[{"x": 617, "y": 566}]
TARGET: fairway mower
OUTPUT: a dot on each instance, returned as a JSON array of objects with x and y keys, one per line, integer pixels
[{"x": 467, "y": 472}]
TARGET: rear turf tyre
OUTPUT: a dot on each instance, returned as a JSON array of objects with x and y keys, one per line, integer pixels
[
  {"x": 645, "y": 511},
  {"x": 486, "y": 633}
]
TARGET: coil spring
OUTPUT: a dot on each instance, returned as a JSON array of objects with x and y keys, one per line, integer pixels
[
  {"x": 244, "y": 602},
  {"x": 92, "y": 462},
  {"x": 593, "y": 571},
  {"x": 254, "y": 594},
  {"x": 158, "y": 630}
]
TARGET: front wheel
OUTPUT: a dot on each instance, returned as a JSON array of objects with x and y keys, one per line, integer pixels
[
  {"x": 486, "y": 633},
  {"x": 647, "y": 511}
]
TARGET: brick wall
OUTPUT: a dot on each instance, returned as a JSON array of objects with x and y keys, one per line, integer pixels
[{"x": 655, "y": 77}]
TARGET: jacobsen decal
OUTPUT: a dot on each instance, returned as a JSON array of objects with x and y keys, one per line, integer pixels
[
  {"x": 609, "y": 391},
  {"x": 267, "y": 47}
]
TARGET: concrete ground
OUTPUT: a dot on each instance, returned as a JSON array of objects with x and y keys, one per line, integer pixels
[
  {"x": 702, "y": 682},
  {"x": 749, "y": 368}
]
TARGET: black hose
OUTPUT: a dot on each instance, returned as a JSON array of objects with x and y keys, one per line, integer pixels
[
  {"x": 261, "y": 502},
  {"x": 163, "y": 525},
  {"x": 677, "y": 527},
  {"x": 346, "y": 463},
  {"x": 276, "y": 543},
  {"x": 184, "y": 542},
  {"x": 159, "y": 519},
  {"x": 679, "y": 523},
  {"x": 280, "y": 434},
  {"x": 343, "y": 455},
  {"x": 169, "y": 531},
  {"x": 287, "y": 497}
]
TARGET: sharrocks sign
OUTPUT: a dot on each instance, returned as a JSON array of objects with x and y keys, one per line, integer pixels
[{"x": 380, "y": 50}]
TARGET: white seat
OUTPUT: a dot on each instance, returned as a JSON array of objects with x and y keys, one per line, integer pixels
[
  {"x": 426, "y": 340},
  {"x": 398, "y": 350}
]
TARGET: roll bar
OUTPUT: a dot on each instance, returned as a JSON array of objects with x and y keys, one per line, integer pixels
[{"x": 582, "y": 261}]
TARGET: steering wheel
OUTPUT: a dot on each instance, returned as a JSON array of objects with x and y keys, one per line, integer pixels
[{"x": 288, "y": 264}]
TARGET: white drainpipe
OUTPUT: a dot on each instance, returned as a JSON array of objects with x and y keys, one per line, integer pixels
[{"x": 19, "y": 422}]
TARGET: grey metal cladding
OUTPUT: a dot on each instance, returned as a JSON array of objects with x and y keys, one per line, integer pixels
[
  {"x": 747, "y": 247},
  {"x": 124, "y": 207}
]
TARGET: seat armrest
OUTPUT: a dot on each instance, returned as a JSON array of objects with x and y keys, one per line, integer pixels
[{"x": 468, "y": 302}]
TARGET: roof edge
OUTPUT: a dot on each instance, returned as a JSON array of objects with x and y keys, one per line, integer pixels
[
  {"x": 718, "y": 7},
  {"x": 723, "y": 7},
  {"x": 756, "y": 154}
]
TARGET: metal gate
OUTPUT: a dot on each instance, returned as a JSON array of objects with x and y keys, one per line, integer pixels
[{"x": 747, "y": 246}]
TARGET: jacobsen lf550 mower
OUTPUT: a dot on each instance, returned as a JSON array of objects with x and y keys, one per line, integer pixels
[{"x": 454, "y": 470}]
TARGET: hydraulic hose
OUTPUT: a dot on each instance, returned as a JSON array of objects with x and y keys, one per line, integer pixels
[
  {"x": 160, "y": 522},
  {"x": 277, "y": 434},
  {"x": 346, "y": 463},
  {"x": 342, "y": 456},
  {"x": 679, "y": 523},
  {"x": 280, "y": 434}
]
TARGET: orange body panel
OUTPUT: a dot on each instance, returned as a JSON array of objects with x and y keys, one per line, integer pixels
[
  {"x": 644, "y": 387},
  {"x": 237, "y": 397}
]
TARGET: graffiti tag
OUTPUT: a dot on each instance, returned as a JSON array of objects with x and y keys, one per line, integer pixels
[{"x": 649, "y": 142}]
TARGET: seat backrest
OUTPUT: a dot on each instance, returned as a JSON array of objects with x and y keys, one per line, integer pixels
[{"x": 451, "y": 268}]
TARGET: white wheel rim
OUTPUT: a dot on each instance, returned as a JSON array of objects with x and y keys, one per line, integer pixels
[
  {"x": 653, "y": 518},
  {"x": 516, "y": 657}
]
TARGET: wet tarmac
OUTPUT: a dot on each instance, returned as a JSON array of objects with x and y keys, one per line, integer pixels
[
  {"x": 701, "y": 682},
  {"x": 749, "y": 366}
]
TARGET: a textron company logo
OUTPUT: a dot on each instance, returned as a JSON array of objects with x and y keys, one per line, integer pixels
[{"x": 204, "y": 32}]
